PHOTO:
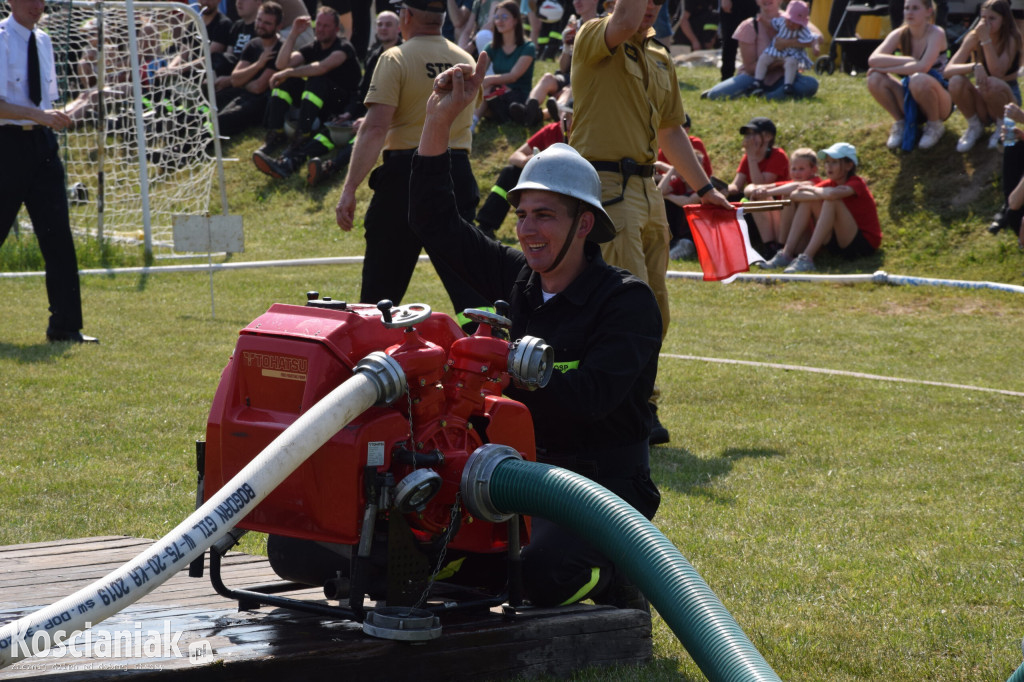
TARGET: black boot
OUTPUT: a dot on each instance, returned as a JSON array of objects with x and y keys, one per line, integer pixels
[
  {"x": 318, "y": 170},
  {"x": 1006, "y": 218},
  {"x": 533, "y": 116},
  {"x": 998, "y": 219},
  {"x": 551, "y": 104},
  {"x": 275, "y": 168},
  {"x": 273, "y": 140},
  {"x": 623, "y": 594},
  {"x": 517, "y": 112},
  {"x": 659, "y": 434}
]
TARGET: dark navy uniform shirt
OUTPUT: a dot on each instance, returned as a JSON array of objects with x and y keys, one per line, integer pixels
[{"x": 605, "y": 327}]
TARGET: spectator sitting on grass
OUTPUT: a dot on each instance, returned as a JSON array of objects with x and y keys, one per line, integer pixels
[
  {"x": 320, "y": 80},
  {"x": 839, "y": 213},
  {"x": 792, "y": 25},
  {"x": 512, "y": 57},
  {"x": 803, "y": 172},
  {"x": 1012, "y": 212},
  {"x": 243, "y": 104},
  {"x": 914, "y": 52},
  {"x": 991, "y": 52},
  {"x": 762, "y": 163},
  {"x": 754, "y": 35},
  {"x": 388, "y": 35}
]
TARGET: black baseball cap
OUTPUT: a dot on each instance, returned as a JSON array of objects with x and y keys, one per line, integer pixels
[
  {"x": 758, "y": 124},
  {"x": 438, "y": 6}
]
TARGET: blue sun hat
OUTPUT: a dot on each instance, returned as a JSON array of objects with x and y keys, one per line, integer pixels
[{"x": 840, "y": 150}]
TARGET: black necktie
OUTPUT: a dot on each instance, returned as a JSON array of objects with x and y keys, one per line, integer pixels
[{"x": 35, "y": 90}]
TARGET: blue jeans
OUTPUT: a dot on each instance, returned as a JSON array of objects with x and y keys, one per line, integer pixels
[
  {"x": 738, "y": 85},
  {"x": 663, "y": 23}
]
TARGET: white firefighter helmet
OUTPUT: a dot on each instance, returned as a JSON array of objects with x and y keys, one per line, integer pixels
[
  {"x": 561, "y": 169},
  {"x": 551, "y": 11}
]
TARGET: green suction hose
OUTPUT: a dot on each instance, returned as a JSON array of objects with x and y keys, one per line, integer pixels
[{"x": 501, "y": 483}]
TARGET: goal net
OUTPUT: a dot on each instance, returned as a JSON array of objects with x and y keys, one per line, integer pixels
[{"x": 143, "y": 147}]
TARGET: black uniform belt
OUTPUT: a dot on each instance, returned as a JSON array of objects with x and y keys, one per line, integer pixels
[
  {"x": 626, "y": 167},
  {"x": 26, "y": 128},
  {"x": 399, "y": 153}
]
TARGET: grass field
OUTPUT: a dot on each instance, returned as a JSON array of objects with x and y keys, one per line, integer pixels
[{"x": 857, "y": 529}]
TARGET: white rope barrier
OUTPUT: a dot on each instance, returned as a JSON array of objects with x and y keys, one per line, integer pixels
[{"x": 840, "y": 372}]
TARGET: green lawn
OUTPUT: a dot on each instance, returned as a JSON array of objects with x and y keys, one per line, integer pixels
[{"x": 856, "y": 529}]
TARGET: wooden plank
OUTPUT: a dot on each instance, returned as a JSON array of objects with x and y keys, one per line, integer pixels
[
  {"x": 99, "y": 539},
  {"x": 68, "y": 547},
  {"x": 249, "y": 571},
  {"x": 274, "y": 644}
]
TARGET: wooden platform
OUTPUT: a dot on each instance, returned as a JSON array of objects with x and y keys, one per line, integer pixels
[{"x": 282, "y": 645}]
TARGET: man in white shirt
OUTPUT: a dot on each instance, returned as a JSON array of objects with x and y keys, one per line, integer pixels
[{"x": 32, "y": 173}]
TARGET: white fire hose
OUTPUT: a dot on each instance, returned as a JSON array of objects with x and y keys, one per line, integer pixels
[{"x": 378, "y": 379}]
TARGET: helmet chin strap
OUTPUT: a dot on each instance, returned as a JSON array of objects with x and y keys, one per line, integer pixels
[{"x": 568, "y": 238}]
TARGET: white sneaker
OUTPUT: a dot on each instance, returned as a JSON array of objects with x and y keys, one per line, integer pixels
[
  {"x": 779, "y": 260},
  {"x": 971, "y": 135},
  {"x": 895, "y": 135},
  {"x": 682, "y": 250},
  {"x": 803, "y": 263},
  {"x": 932, "y": 132},
  {"x": 997, "y": 137}
]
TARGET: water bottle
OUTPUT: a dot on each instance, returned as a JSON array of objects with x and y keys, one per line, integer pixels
[{"x": 1009, "y": 132}]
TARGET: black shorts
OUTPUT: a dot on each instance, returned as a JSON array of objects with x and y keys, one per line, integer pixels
[{"x": 857, "y": 248}]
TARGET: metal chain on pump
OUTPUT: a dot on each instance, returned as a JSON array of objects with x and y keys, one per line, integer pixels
[
  {"x": 412, "y": 432},
  {"x": 456, "y": 507}
]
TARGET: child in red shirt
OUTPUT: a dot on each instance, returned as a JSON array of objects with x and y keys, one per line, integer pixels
[
  {"x": 838, "y": 212},
  {"x": 763, "y": 163},
  {"x": 803, "y": 172}
]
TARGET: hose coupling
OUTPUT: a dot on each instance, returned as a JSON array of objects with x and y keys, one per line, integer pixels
[
  {"x": 476, "y": 481},
  {"x": 530, "y": 362},
  {"x": 386, "y": 374}
]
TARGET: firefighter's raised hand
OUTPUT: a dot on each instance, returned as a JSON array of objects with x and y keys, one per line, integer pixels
[{"x": 454, "y": 90}]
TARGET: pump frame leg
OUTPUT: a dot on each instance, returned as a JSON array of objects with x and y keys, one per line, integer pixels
[{"x": 264, "y": 595}]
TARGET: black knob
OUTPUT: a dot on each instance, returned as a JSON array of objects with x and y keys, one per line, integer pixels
[
  {"x": 502, "y": 308},
  {"x": 385, "y": 310},
  {"x": 312, "y": 295}
]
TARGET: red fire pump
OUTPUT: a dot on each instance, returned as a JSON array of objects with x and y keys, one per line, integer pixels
[{"x": 376, "y": 510}]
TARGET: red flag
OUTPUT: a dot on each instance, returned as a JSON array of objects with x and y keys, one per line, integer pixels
[{"x": 720, "y": 235}]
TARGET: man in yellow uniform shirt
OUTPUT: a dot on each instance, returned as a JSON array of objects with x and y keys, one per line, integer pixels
[{"x": 626, "y": 106}]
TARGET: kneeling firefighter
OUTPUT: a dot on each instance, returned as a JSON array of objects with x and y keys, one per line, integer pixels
[{"x": 602, "y": 322}]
